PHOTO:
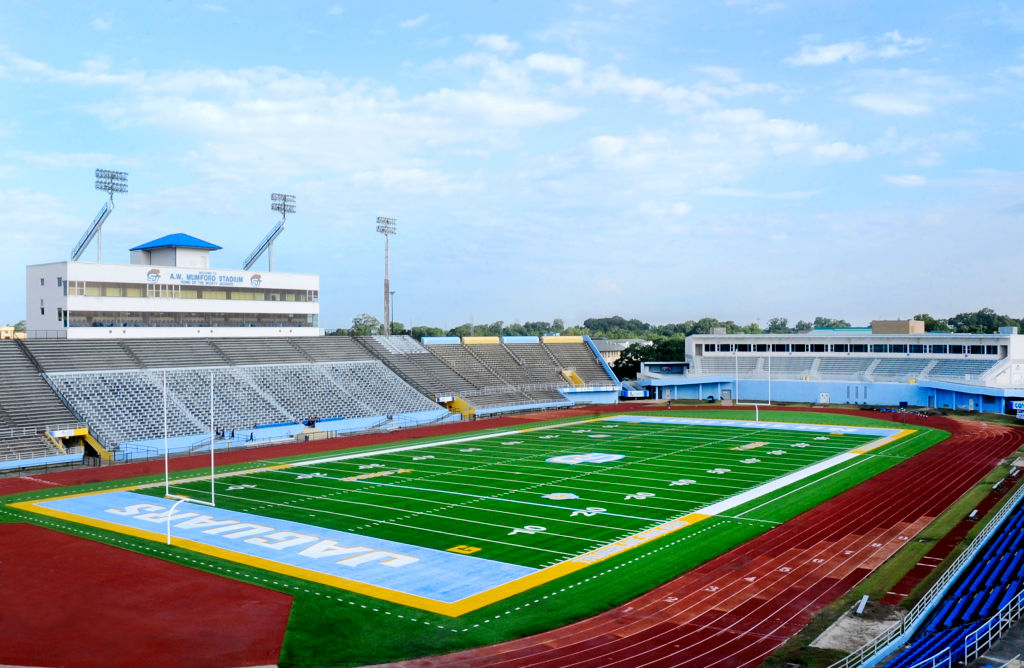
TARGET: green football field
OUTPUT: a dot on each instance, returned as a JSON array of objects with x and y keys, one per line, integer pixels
[
  {"x": 539, "y": 526},
  {"x": 501, "y": 495}
]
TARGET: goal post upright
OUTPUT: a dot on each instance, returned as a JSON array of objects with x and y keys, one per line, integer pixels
[
  {"x": 167, "y": 471},
  {"x": 213, "y": 500}
]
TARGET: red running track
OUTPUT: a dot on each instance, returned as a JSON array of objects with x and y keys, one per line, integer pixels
[
  {"x": 740, "y": 607},
  {"x": 68, "y": 601}
]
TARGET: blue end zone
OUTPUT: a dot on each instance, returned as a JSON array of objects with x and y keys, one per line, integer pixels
[{"x": 437, "y": 575}]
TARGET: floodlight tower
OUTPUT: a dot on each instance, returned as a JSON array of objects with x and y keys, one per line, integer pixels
[
  {"x": 111, "y": 182},
  {"x": 278, "y": 202},
  {"x": 386, "y": 226}
]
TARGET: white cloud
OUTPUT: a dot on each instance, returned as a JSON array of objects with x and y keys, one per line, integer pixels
[
  {"x": 905, "y": 92},
  {"x": 680, "y": 209},
  {"x": 608, "y": 79},
  {"x": 209, "y": 7},
  {"x": 412, "y": 181},
  {"x": 891, "y": 104},
  {"x": 499, "y": 43},
  {"x": 100, "y": 24},
  {"x": 830, "y": 53},
  {"x": 757, "y": 6},
  {"x": 409, "y": 24},
  {"x": 898, "y": 45},
  {"x": 499, "y": 109},
  {"x": 891, "y": 45},
  {"x": 906, "y": 180},
  {"x": 67, "y": 160},
  {"x": 336, "y": 10},
  {"x": 840, "y": 151},
  {"x": 555, "y": 64},
  {"x": 726, "y": 82}
]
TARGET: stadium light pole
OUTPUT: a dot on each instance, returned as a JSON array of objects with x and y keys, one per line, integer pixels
[
  {"x": 391, "y": 327},
  {"x": 284, "y": 204},
  {"x": 387, "y": 227},
  {"x": 110, "y": 182}
]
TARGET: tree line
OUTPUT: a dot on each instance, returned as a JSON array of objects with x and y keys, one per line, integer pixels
[{"x": 984, "y": 321}]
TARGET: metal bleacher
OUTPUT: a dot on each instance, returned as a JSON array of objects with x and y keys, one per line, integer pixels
[
  {"x": 900, "y": 368},
  {"x": 27, "y": 407},
  {"x": 84, "y": 355},
  {"x": 859, "y": 368},
  {"x": 961, "y": 369},
  {"x": 127, "y": 405},
  {"x": 417, "y": 366},
  {"x": 580, "y": 358},
  {"x": 843, "y": 366},
  {"x": 332, "y": 348},
  {"x": 25, "y": 398}
]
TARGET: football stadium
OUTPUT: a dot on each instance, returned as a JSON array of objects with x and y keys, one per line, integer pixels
[
  {"x": 202, "y": 467},
  {"x": 212, "y": 481}
]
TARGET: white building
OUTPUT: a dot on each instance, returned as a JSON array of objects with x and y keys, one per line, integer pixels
[
  {"x": 168, "y": 290},
  {"x": 875, "y": 366}
]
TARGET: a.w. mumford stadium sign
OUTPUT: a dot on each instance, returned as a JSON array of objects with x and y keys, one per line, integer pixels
[{"x": 203, "y": 277}]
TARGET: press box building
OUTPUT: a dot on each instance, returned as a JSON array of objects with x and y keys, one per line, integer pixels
[{"x": 168, "y": 290}]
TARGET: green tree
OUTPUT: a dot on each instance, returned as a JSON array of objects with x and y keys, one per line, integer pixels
[
  {"x": 419, "y": 331},
  {"x": 19, "y": 326},
  {"x": 778, "y": 326},
  {"x": 659, "y": 350},
  {"x": 803, "y": 326},
  {"x": 365, "y": 324},
  {"x": 932, "y": 324},
  {"x": 829, "y": 323},
  {"x": 985, "y": 321}
]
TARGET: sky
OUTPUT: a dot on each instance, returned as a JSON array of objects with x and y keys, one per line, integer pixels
[{"x": 660, "y": 160}]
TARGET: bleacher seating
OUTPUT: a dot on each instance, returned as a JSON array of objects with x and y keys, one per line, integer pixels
[
  {"x": 80, "y": 355},
  {"x": 900, "y": 368},
  {"x": 843, "y": 366},
  {"x": 856, "y": 367},
  {"x": 127, "y": 405},
  {"x": 580, "y": 358},
  {"x": 260, "y": 351},
  {"x": 467, "y": 365},
  {"x": 25, "y": 447},
  {"x": 157, "y": 353},
  {"x": 332, "y": 348},
  {"x": 993, "y": 579},
  {"x": 961, "y": 369},
  {"x": 25, "y": 398},
  {"x": 113, "y": 384},
  {"x": 423, "y": 370},
  {"x": 716, "y": 365},
  {"x": 508, "y": 375}
]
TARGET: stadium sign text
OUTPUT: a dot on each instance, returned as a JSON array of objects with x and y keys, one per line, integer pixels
[{"x": 207, "y": 278}]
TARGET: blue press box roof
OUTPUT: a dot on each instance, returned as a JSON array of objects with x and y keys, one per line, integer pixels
[{"x": 179, "y": 240}]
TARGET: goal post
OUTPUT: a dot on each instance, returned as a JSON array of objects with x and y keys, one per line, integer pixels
[{"x": 167, "y": 473}]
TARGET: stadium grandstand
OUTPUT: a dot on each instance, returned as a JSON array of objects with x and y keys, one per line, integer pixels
[
  {"x": 272, "y": 388},
  {"x": 974, "y": 372}
]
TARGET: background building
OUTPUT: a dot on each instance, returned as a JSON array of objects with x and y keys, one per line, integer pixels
[{"x": 982, "y": 372}]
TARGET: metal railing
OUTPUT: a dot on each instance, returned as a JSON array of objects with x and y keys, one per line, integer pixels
[
  {"x": 887, "y": 642},
  {"x": 12, "y": 432}
]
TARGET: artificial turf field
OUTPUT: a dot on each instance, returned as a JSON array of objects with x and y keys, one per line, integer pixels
[{"x": 462, "y": 541}]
